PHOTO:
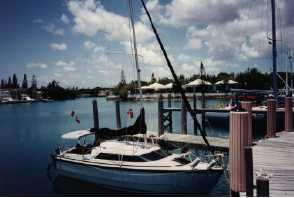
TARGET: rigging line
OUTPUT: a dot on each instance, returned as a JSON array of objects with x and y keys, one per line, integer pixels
[
  {"x": 279, "y": 25},
  {"x": 135, "y": 50},
  {"x": 131, "y": 44},
  {"x": 178, "y": 85}
]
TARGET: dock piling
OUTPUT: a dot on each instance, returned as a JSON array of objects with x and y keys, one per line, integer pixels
[
  {"x": 247, "y": 105},
  {"x": 195, "y": 108},
  {"x": 288, "y": 114},
  {"x": 170, "y": 114},
  {"x": 160, "y": 116},
  {"x": 237, "y": 143},
  {"x": 271, "y": 118},
  {"x": 117, "y": 114},
  {"x": 262, "y": 187},
  {"x": 183, "y": 118},
  {"x": 249, "y": 171},
  {"x": 95, "y": 114}
]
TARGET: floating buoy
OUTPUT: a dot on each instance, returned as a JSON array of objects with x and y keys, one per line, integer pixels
[
  {"x": 72, "y": 113},
  {"x": 77, "y": 119},
  {"x": 130, "y": 113}
]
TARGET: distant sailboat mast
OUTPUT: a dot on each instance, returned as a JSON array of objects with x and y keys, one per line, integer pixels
[
  {"x": 135, "y": 48},
  {"x": 274, "y": 80}
]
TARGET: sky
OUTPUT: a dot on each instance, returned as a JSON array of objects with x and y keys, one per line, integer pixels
[{"x": 86, "y": 43}]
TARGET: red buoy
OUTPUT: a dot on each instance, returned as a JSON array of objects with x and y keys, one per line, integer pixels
[
  {"x": 77, "y": 119},
  {"x": 72, "y": 113},
  {"x": 130, "y": 113}
]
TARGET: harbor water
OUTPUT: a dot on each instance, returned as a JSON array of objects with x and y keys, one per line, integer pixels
[{"x": 29, "y": 133}]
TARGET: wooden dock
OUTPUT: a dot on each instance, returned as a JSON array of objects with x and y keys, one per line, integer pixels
[
  {"x": 196, "y": 141},
  {"x": 274, "y": 157},
  {"x": 257, "y": 110}
]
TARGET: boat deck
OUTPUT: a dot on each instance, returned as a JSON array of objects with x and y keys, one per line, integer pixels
[{"x": 274, "y": 156}]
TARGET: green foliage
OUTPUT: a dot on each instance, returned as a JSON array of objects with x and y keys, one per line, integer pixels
[
  {"x": 121, "y": 90},
  {"x": 24, "y": 82},
  {"x": 14, "y": 82},
  {"x": 56, "y": 92},
  {"x": 153, "y": 79}
]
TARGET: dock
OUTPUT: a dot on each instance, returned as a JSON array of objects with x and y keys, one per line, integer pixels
[
  {"x": 274, "y": 157},
  {"x": 195, "y": 141}
]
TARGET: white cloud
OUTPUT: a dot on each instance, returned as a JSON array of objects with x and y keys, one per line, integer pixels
[
  {"x": 67, "y": 66},
  {"x": 89, "y": 45},
  {"x": 91, "y": 17},
  {"x": 37, "y": 65},
  {"x": 58, "y": 46},
  {"x": 193, "y": 43},
  {"x": 182, "y": 12},
  {"x": 51, "y": 28},
  {"x": 64, "y": 19}
]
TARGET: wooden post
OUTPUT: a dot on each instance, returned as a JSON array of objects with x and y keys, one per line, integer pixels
[
  {"x": 248, "y": 107},
  {"x": 271, "y": 118},
  {"x": 195, "y": 108},
  {"x": 203, "y": 111},
  {"x": 194, "y": 102},
  {"x": 95, "y": 114},
  {"x": 262, "y": 187},
  {"x": 249, "y": 171},
  {"x": 160, "y": 116},
  {"x": 288, "y": 114},
  {"x": 183, "y": 118},
  {"x": 237, "y": 143},
  {"x": 117, "y": 113},
  {"x": 170, "y": 127},
  {"x": 234, "y": 194}
]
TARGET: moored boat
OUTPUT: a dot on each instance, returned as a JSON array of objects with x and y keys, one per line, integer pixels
[{"x": 134, "y": 166}]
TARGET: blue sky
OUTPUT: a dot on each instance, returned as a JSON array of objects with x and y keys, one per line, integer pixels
[{"x": 86, "y": 43}]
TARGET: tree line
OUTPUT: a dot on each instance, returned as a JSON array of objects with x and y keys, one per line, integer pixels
[
  {"x": 13, "y": 82},
  {"x": 250, "y": 79}
]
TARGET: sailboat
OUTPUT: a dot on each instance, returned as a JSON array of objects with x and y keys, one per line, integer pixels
[{"x": 114, "y": 160}]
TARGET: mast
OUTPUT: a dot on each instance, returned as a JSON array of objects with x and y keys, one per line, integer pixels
[
  {"x": 274, "y": 80},
  {"x": 202, "y": 73},
  {"x": 177, "y": 82},
  {"x": 135, "y": 48},
  {"x": 291, "y": 71}
]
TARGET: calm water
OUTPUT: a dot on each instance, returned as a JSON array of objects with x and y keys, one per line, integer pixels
[{"x": 30, "y": 132}]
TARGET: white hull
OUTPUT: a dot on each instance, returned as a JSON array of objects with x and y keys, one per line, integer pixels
[{"x": 142, "y": 181}]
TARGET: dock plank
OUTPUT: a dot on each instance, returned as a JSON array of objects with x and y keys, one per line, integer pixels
[
  {"x": 274, "y": 157},
  {"x": 221, "y": 144}
]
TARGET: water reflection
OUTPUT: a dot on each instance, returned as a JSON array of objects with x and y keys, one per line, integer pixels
[{"x": 65, "y": 186}]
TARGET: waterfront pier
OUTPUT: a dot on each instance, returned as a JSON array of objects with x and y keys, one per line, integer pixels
[{"x": 257, "y": 168}]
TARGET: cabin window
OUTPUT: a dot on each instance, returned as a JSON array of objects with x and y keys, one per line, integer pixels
[
  {"x": 126, "y": 158},
  {"x": 182, "y": 161},
  {"x": 81, "y": 150},
  {"x": 129, "y": 158},
  {"x": 107, "y": 156},
  {"x": 155, "y": 155}
]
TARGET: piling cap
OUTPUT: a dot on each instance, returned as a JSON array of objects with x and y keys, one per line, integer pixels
[
  {"x": 271, "y": 96},
  {"x": 238, "y": 107}
]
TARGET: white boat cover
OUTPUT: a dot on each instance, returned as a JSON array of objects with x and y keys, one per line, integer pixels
[{"x": 75, "y": 135}]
